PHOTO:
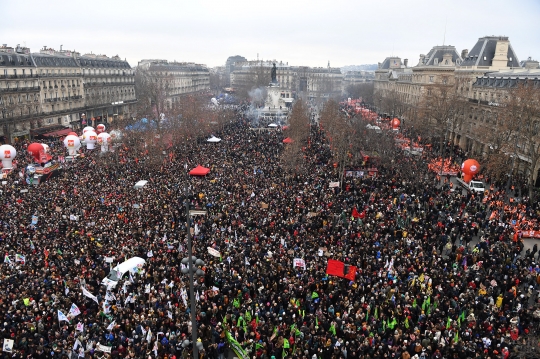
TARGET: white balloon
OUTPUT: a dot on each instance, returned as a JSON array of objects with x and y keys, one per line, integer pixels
[
  {"x": 7, "y": 154},
  {"x": 90, "y": 137},
  {"x": 72, "y": 143},
  {"x": 87, "y": 128}
]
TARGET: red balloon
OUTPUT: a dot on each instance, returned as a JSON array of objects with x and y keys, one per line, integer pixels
[
  {"x": 470, "y": 167},
  {"x": 396, "y": 122},
  {"x": 34, "y": 149},
  {"x": 467, "y": 178}
]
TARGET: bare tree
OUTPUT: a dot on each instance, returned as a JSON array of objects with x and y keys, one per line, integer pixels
[
  {"x": 363, "y": 91},
  {"x": 293, "y": 156},
  {"x": 439, "y": 111},
  {"x": 340, "y": 132},
  {"x": 153, "y": 90},
  {"x": 522, "y": 113}
]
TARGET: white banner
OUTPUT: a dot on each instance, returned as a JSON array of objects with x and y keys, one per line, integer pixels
[
  {"x": 213, "y": 252},
  {"x": 299, "y": 262},
  {"x": 103, "y": 348},
  {"x": 8, "y": 345},
  {"x": 334, "y": 184}
]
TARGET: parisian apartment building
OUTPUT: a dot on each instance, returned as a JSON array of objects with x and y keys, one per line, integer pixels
[{"x": 52, "y": 92}]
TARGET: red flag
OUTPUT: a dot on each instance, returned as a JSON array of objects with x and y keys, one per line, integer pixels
[
  {"x": 335, "y": 268},
  {"x": 339, "y": 269},
  {"x": 351, "y": 274},
  {"x": 355, "y": 213}
]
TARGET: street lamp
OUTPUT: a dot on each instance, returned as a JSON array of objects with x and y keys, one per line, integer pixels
[{"x": 193, "y": 268}]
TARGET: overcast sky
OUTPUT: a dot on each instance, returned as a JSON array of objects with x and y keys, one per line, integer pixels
[{"x": 295, "y": 31}]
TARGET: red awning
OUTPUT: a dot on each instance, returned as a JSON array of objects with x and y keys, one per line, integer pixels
[
  {"x": 60, "y": 133},
  {"x": 199, "y": 171}
]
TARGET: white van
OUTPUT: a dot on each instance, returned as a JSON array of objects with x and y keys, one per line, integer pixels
[{"x": 132, "y": 264}]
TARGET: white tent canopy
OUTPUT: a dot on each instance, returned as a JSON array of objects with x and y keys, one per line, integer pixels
[
  {"x": 272, "y": 125},
  {"x": 140, "y": 184},
  {"x": 214, "y": 139}
]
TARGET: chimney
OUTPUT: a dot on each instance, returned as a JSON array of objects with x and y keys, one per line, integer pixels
[
  {"x": 464, "y": 53},
  {"x": 405, "y": 62},
  {"x": 379, "y": 65},
  {"x": 422, "y": 57},
  {"x": 500, "y": 59}
]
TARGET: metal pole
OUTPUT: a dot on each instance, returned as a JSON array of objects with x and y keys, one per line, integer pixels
[{"x": 191, "y": 289}]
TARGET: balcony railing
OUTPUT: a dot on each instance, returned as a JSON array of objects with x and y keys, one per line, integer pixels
[
  {"x": 21, "y": 89},
  {"x": 93, "y": 84},
  {"x": 60, "y": 75},
  {"x": 59, "y": 99}
]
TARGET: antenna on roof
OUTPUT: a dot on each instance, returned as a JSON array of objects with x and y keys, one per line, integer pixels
[{"x": 444, "y": 37}]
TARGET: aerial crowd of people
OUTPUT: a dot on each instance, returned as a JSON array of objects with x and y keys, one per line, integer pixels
[{"x": 440, "y": 273}]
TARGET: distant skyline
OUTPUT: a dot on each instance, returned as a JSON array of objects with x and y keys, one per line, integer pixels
[{"x": 295, "y": 31}]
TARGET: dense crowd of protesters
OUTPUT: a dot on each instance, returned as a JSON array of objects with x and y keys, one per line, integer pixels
[{"x": 439, "y": 276}]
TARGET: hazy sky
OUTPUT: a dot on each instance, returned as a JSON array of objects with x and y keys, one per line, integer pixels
[{"x": 296, "y": 31}]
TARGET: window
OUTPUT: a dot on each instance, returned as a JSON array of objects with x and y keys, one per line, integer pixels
[{"x": 431, "y": 79}]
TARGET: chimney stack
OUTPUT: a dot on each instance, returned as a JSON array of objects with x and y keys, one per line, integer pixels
[
  {"x": 464, "y": 53},
  {"x": 405, "y": 62}
]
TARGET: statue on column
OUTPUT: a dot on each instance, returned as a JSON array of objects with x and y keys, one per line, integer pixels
[{"x": 274, "y": 74}]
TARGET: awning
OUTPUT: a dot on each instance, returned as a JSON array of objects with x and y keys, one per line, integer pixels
[{"x": 60, "y": 133}]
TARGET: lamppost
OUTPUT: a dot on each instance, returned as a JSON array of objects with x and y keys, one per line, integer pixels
[{"x": 193, "y": 268}]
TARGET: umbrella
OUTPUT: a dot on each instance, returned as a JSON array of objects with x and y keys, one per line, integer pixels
[{"x": 272, "y": 125}]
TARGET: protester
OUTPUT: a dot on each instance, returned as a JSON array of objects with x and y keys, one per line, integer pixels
[{"x": 438, "y": 275}]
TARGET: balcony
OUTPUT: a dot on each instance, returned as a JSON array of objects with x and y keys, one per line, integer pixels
[
  {"x": 20, "y": 89},
  {"x": 93, "y": 84}
]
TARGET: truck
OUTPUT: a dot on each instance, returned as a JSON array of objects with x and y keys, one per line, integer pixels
[{"x": 472, "y": 186}]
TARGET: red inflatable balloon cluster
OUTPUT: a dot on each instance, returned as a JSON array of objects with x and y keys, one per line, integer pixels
[
  {"x": 469, "y": 168},
  {"x": 396, "y": 123}
]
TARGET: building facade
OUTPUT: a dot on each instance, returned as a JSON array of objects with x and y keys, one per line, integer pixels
[
  {"x": 109, "y": 88},
  {"x": 301, "y": 81},
  {"x": 62, "y": 90},
  {"x": 20, "y": 93},
  {"x": 183, "y": 78},
  {"x": 50, "y": 91}
]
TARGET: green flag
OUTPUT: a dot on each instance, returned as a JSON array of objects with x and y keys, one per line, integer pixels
[
  {"x": 407, "y": 325},
  {"x": 448, "y": 323},
  {"x": 314, "y": 295},
  {"x": 248, "y": 316},
  {"x": 332, "y": 329},
  {"x": 456, "y": 337},
  {"x": 236, "y": 347},
  {"x": 376, "y": 314},
  {"x": 462, "y": 316},
  {"x": 414, "y": 303},
  {"x": 236, "y": 303},
  {"x": 286, "y": 344}
]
